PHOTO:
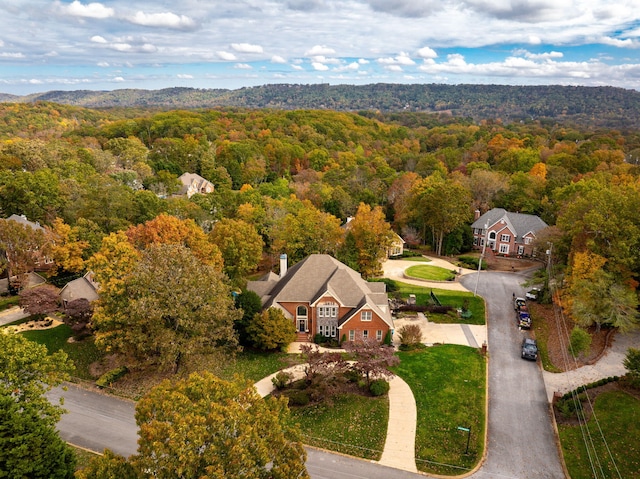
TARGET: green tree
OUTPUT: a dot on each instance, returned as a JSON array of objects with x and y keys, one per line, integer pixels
[
  {"x": 240, "y": 245},
  {"x": 441, "y": 205},
  {"x": 169, "y": 310},
  {"x": 250, "y": 304},
  {"x": 271, "y": 330},
  {"x": 579, "y": 341},
  {"x": 29, "y": 443},
  {"x": 204, "y": 426}
]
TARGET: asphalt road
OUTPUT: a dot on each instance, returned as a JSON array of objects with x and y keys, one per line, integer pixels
[{"x": 521, "y": 441}]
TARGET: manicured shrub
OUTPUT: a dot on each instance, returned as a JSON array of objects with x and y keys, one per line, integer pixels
[
  {"x": 281, "y": 380},
  {"x": 379, "y": 387}
]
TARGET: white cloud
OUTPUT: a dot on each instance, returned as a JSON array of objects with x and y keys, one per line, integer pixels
[
  {"x": 103, "y": 64},
  {"x": 121, "y": 47},
  {"x": 278, "y": 59},
  {"x": 401, "y": 59},
  {"x": 98, "y": 39},
  {"x": 426, "y": 52},
  {"x": 627, "y": 43},
  {"x": 393, "y": 68},
  {"x": 319, "y": 66},
  {"x": 363, "y": 61},
  {"x": 246, "y": 48},
  {"x": 11, "y": 55},
  {"x": 166, "y": 20},
  {"x": 118, "y": 79},
  {"x": 185, "y": 76},
  {"x": 90, "y": 10},
  {"x": 243, "y": 66},
  {"x": 227, "y": 56},
  {"x": 297, "y": 67},
  {"x": 319, "y": 50}
]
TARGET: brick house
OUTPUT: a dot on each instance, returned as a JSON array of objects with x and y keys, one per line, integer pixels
[
  {"x": 321, "y": 295},
  {"x": 506, "y": 233}
]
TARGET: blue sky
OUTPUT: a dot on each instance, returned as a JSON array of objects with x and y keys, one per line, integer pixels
[{"x": 114, "y": 44}]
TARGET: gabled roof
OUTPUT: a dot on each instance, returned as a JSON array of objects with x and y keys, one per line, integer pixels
[
  {"x": 520, "y": 223},
  {"x": 22, "y": 219},
  {"x": 320, "y": 275},
  {"x": 194, "y": 181},
  {"x": 84, "y": 287}
]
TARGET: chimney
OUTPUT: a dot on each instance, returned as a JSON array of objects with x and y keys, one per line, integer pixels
[
  {"x": 283, "y": 265},
  {"x": 477, "y": 214}
]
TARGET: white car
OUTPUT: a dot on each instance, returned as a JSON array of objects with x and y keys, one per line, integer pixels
[{"x": 533, "y": 294}]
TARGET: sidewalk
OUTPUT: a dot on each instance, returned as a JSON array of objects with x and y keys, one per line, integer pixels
[{"x": 609, "y": 365}]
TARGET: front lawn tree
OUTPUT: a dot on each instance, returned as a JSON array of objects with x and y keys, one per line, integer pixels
[
  {"x": 372, "y": 359},
  {"x": 169, "y": 309},
  {"x": 271, "y": 330},
  {"x": 206, "y": 427},
  {"x": 29, "y": 442},
  {"x": 40, "y": 300}
]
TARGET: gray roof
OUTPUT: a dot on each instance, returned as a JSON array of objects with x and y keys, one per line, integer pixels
[
  {"x": 22, "y": 219},
  {"x": 520, "y": 223},
  {"x": 318, "y": 275},
  {"x": 83, "y": 287}
]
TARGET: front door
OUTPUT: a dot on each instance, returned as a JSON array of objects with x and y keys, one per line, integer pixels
[
  {"x": 302, "y": 325},
  {"x": 301, "y": 318}
]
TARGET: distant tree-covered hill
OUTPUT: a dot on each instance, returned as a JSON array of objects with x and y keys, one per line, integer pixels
[{"x": 593, "y": 106}]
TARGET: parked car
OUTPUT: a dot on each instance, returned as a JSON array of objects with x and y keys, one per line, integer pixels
[
  {"x": 523, "y": 319},
  {"x": 518, "y": 302},
  {"x": 532, "y": 294},
  {"x": 529, "y": 349}
]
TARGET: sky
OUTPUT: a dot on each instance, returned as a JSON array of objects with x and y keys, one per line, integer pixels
[{"x": 115, "y": 44}]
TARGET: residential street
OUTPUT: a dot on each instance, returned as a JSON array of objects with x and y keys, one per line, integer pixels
[{"x": 521, "y": 440}]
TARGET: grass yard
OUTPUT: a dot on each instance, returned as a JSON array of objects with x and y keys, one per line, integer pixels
[
  {"x": 446, "y": 297},
  {"x": 449, "y": 386},
  {"x": 8, "y": 302},
  {"x": 82, "y": 353},
  {"x": 430, "y": 273},
  {"x": 352, "y": 425},
  {"x": 422, "y": 259},
  {"x": 255, "y": 365},
  {"x": 618, "y": 415}
]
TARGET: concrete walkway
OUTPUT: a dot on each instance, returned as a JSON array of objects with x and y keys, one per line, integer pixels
[
  {"x": 12, "y": 314},
  {"x": 611, "y": 364}
]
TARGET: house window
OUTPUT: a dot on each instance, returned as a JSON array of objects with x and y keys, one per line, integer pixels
[
  {"x": 520, "y": 249},
  {"x": 365, "y": 334},
  {"x": 365, "y": 315},
  {"x": 504, "y": 249},
  {"x": 379, "y": 335},
  {"x": 334, "y": 331},
  {"x": 505, "y": 238},
  {"x": 352, "y": 335},
  {"x": 492, "y": 235},
  {"x": 475, "y": 241},
  {"x": 527, "y": 240},
  {"x": 328, "y": 310}
]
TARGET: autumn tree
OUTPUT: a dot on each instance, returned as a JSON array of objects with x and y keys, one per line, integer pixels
[
  {"x": 372, "y": 359},
  {"x": 66, "y": 247},
  {"x": 250, "y": 304},
  {"x": 270, "y": 330},
  {"x": 41, "y": 299},
  {"x": 370, "y": 236},
  {"x": 204, "y": 426},
  {"x": 21, "y": 248},
  {"x": 30, "y": 445},
  {"x": 324, "y": 372},
  {"x": 298, "y": 229},
  {"x": 169, "y": 309},
  {"x": 167, "y": 229},
  {"x": 240, "y": 246}
]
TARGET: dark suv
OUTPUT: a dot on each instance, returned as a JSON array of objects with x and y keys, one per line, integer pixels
[{"x": 529, "y": 349}]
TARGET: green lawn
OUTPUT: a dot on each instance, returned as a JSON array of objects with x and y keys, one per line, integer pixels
[
  {"x": 256, "y": 365},
  {"x": 82, "y": 353},
  {"x": 9, "y": 302},
  {"x": 430, "y": 273},
  {"x": 446, "y": 297},
  {"x": 449, "y": 386},
  {"x": 422, "y": 259},
  {"x": 351, "y": 425},
  {"x": 618, "y": 415}
]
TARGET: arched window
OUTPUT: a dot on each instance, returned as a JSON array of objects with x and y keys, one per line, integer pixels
[{"x": 302, "y": 311}]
